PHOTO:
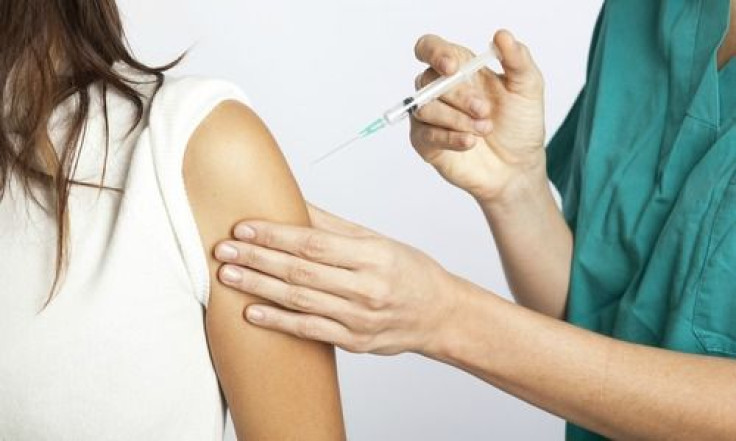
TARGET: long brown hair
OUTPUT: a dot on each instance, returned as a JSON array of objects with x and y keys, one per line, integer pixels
[{"x": 51, "y": 51}]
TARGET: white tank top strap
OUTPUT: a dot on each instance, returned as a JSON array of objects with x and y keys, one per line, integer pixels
[{"x": 177, "y": 110}]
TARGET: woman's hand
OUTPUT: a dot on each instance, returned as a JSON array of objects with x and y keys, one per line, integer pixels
[
  {"x": 487, "y": 135},
  {"x": 342, "y": 283}
]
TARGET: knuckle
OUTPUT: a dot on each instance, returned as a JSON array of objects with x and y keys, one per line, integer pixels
[
  {"x": 364, "y": 343},
  {"x": 314, "y": 247},
  {"x": 354, "y": 287},
  {"x": 265, "y": 236},
  {"x": 460, "y": 140},
  {"x": 308, "y": 329},
  {"x": 378, "y": 300},
  {"x": 422, "y": 113},
  {"x": 353, "y": 317},
  {"x": 461, "y": 121},
  {"x": 464, "y": 92},
  {"x": 298, "y": 298},
  {"x": 251, "y": 283},
  {"x": 299, "y": 274},
  {"x": 351, "y": 346},
  {"x": 469, "y": 100},
  {"x": 251, "y": 256},
  {"x": 455, "y": 139},
  {"x": 452, "y": 139},
  {"x": 358, "y": 344},
  {"x": 432, "y": 136},
  {"x": 427, "y": 77},
  {"x": 382, "y": 295}
]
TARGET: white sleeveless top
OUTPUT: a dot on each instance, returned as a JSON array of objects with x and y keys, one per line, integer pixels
[{"x": 120, "y": 353}]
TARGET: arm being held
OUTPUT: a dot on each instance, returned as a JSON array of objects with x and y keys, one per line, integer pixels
[
  {"x": 391, "y": 299},
  {"x": 277, "y": 387}
]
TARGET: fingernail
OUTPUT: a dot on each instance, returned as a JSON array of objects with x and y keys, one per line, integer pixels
[
  {"x": 226, "y": 252},
  {"x": 231, "y": 275},
  {"x": 245, "y": 232},
  {"x": 255, "y": 314},
  {"x": 483, "y": 126}
]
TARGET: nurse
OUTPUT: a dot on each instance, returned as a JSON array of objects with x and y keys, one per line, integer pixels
[{"x": 626, "y": 316}]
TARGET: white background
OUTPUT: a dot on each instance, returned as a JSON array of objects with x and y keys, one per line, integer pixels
[{"x": 319, "y": 70}]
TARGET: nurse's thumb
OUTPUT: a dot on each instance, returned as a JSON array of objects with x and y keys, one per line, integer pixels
[{"x": 522, "y": 75}]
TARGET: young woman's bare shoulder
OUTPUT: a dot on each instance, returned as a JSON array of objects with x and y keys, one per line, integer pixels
[{"x": 233, "y": 154}]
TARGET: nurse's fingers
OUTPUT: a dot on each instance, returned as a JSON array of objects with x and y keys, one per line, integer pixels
[
  {"x": 315, "y": 245},
  {"x": 428, "y": 139},
  {"x": 444, "y": 116},
  {"x": 466, "y": 97},
  {"x": 293, "y": 297},
  {"x": 522, "y": 75},
  {"x": 443, "y": 56},
  {"x": 240, "y": 256},
  {"x": 305, "y": 326}
]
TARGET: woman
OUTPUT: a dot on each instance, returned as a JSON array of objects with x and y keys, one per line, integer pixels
[
  {"x": 643, "y": 262},
  {"x": 117, "y": 181}
]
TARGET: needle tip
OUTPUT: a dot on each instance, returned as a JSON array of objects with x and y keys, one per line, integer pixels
[{"x": 336, "y": 149}]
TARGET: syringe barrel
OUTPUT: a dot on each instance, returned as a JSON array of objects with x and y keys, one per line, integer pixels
[
  {"x": 443, "y": 85},
  {"x": 400, "y": 112},
  {"x": 439, "y": 87}
]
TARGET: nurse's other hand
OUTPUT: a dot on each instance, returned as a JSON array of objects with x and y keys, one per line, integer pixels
[
  {"x": 486, "y": 136},
  {"x": 342, "y": 284}
]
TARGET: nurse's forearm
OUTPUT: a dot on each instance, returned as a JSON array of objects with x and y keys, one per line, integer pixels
[
  {"x": 620, "y": 390},
  {"x": 535, "y": 244}
]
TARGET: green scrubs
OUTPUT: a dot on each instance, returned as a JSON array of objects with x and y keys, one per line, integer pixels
[{"x": 646, "y": 166}]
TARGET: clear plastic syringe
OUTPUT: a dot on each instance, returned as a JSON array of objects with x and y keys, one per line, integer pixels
[{"x": 422, "y": 97}]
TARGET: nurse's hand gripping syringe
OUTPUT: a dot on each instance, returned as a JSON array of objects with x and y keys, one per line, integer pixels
[{"x": 422, "y": 97}]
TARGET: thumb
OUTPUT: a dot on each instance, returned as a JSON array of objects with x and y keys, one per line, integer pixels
[{"x": 522, "y": 75}]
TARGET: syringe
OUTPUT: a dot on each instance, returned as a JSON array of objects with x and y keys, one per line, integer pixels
[{"x": 422, "y": 97}]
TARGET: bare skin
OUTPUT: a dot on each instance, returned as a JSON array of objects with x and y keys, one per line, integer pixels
[
  {"x": 341, "y": 283},
  {"x": 277, "y": 387},
  {"x": 728, "y": 49},
  {"x": 503, "y": 169}
]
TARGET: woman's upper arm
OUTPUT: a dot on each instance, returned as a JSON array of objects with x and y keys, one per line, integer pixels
[{"x": 277, "y": 387}]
